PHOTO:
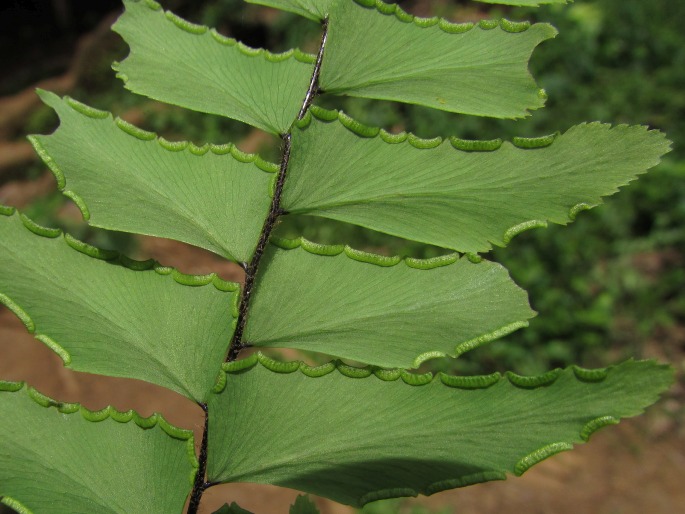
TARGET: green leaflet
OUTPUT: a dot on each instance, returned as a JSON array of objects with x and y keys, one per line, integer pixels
[
  {"x": 102, "y": 317},
  {"x": 124, "y": 178},
  {"x": 312, "y": 9},
  {"x": 62, "y": 461},
  {"x": 380, "y": 310},
  {"x": 480, "y": 70},
  {"x": 360, "y": 440},
  {"x": 449, "y": 197},
  {"x": 181, "y": 63}
]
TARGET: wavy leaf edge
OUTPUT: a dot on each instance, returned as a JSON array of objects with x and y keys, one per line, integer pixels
[
  {"x": 443, "y": 24},
  {"x": 473, "y": 145},
  {"x": 15, "y": 505},
  {"x": 202, "y": 30},
  {"x": 382, "y": 261},
  {"x": 426, "y": 22},
  {"x": 50, "y": 98},
  {"x": 112, "y": 257},
  {"x": 464, "y": 145},
  {"x": 454, "y": 381},
  {"x": 109, "y": 412},
  {"x": 548, "y": 378}
]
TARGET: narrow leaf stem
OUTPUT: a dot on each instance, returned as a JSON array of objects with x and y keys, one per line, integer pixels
[
  {"x": 314, "y": 83},
  {"x": 200, "y": 484},
  {"x": 251, "y": 268}
]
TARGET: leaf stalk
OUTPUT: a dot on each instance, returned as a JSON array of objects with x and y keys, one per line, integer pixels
[{"x": 251, "y": 268}]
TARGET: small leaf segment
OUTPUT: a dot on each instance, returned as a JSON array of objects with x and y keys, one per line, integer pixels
[
  {"x": 128, "y": 179},
  {"x": 425, "y": 189},
  {"x": 378, "y": 297},
  {"x": 341, "y": 449},
  {"x": 35, "y": 258},
  {"x": 145, "y": 465},
  {"x": 236, "y": 80}
]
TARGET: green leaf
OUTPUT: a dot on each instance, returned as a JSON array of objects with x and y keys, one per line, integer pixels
[
  {"x": 64, "y": 459},
  {"x": 360, "y": 440},
  {"x": 480, "y": 70},
  {"x": 303, "y": 505},
  {"x": 178, "y": 62},
  {"x": 127, "y": 179},
  {"x": 102, "y": 313},
  {"x": 458, "y": 198},
  {"x": 380, "y": 310},
  {"x": 313, "y": 9}
]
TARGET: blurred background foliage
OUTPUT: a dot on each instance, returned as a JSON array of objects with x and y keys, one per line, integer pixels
[{"x": 606, "y": 287}]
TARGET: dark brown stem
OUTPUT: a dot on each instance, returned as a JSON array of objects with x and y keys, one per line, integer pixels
[
  {"x": 251, "y": 268},
  {"x": 200, "y": 484},
  {"x": 314, "y": 82}
]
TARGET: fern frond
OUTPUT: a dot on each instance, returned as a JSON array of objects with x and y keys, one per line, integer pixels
[
  {"x": 65, "y": 459},
  {"x": 175, "y": 61},
  {"x": 380, "y": 310},
  {"x": 376, "y": 52},
  {"x": 457, "y": 194},
  {"x": 358, "y": 440},
  {"x": 128, "y": 179},
  {"x": 103, "y": 313}
]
